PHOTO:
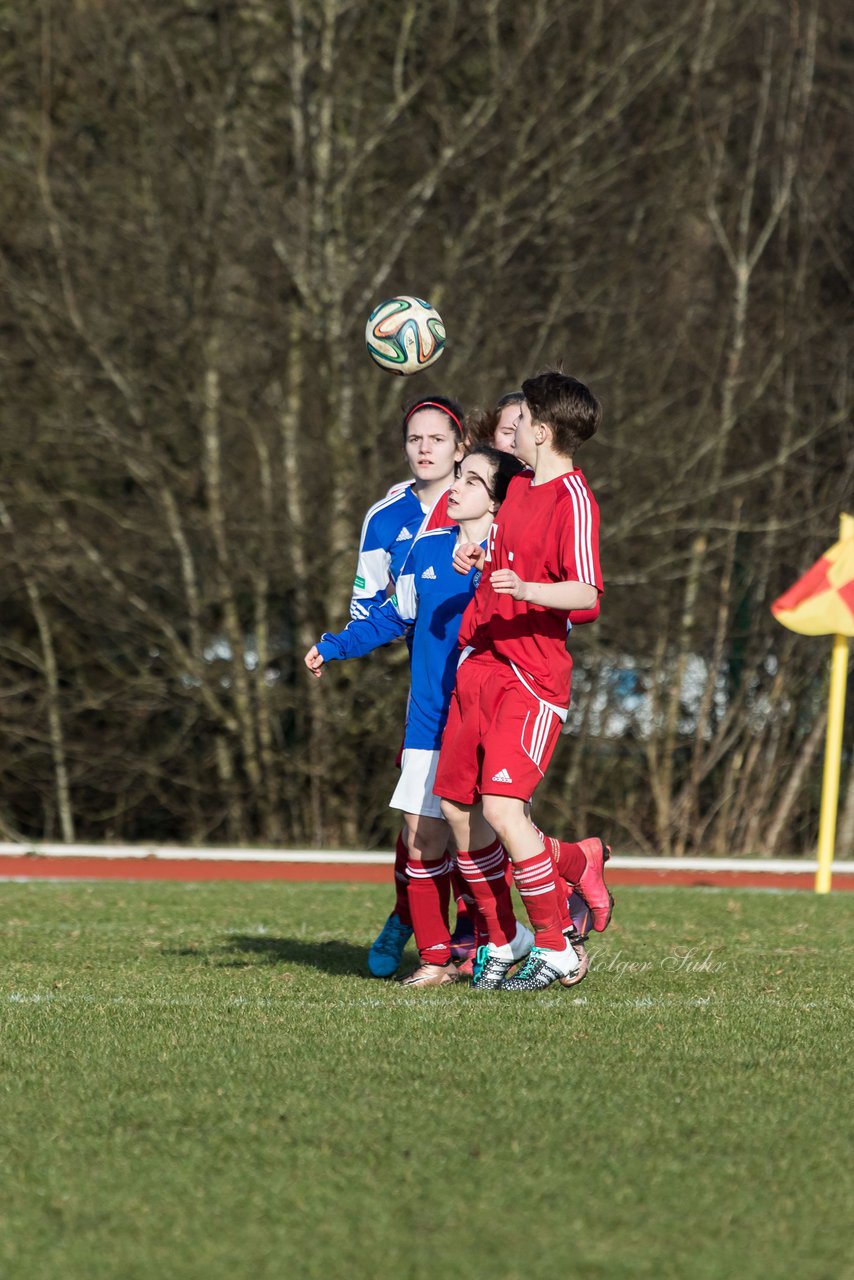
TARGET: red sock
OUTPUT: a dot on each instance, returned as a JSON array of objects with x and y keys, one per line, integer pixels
[
  {"x": 469, "y": 918},
  {"x": 537, "y": 884},
  {"x": 553, "y": 848},
  {"x": 429, "y": 895},
  {"x": 569, "y": 860},
  {"x": 401, "y": 901},
  {"x": 483, "y": 872},
  {"x": 463, "y": 899}
]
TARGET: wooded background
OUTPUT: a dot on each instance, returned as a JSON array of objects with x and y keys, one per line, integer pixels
[{"x": 202, "y": 201}]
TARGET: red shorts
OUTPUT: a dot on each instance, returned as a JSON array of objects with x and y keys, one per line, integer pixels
[{"x": 499, "y": 737}]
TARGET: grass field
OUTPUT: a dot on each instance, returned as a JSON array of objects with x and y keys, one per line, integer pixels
[{"x": 198, "y": 1081}]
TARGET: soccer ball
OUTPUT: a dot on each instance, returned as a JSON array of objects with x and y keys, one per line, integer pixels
[{"x": 404, "y": 335}]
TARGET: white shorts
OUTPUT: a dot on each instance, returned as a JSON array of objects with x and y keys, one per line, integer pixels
[{"x": 414, "y": 791}]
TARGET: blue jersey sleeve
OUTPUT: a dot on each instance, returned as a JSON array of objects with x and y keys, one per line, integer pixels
[{"x": 380, "y": 625}]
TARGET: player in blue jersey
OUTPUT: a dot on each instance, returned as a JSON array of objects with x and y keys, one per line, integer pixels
[
  {"x": 432, "y": 443},
  {"x": 432, "y": 430},
  {"x": 430, "y": 598}
]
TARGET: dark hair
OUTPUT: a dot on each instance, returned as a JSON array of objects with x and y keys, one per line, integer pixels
[
  {"x": 564, "y": 404},
  {"x": 481, "y": 423},
  {"x": 450, "y": 408},
  {"x": 506, "y": 467}
]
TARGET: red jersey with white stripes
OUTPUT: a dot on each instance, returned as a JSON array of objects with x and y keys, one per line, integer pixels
[
  {"x": 439, "y": 519},
  {"x": 544, "y": 533}
]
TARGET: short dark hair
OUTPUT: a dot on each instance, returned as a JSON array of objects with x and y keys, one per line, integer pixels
[
  {"x": 506, "y": 467},
  {"x": 481, "y": 423},
  {"x": 450, "y": 408},
  {"x": 564, "y": 404}
]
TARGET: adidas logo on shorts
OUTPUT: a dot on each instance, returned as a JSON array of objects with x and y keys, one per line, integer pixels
[
  {"x": 429, "y": 572},
  {"x": 502, "y": 776}
]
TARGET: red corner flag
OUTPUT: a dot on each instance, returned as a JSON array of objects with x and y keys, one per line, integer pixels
[{"x": 821, "y": 603}]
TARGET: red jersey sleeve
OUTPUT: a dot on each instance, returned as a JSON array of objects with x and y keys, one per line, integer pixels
[
  {"x": 578, "y": 535},
  {"x": 578, "y": 617}
]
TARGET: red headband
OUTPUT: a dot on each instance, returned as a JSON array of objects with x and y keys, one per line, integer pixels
[{"x": 431, "y": 404}]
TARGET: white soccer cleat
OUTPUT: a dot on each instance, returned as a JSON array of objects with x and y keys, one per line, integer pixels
[
  {"x": 493, "y": 962},
  {"x": 542, "y": 968}
]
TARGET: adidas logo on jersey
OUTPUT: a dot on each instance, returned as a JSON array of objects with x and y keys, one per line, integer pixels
[
  {"x": 403, "y": 536},
  {"x": 502, "y": 776},
  {"x": 429, "y": 572}
]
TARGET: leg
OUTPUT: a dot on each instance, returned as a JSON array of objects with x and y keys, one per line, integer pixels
[
  {"x": 469, "y": 922},
  {"x": 468, "y": 825},
  {"x": 533, "y": 868},
  {"x": 429, "y": 876},
  {"x": 484, "y": 870},
  {"x": 481, "y": 861},
  {"x": 428, "y": 867},
  {"x": 480, "y": 857},
  {"x": 401, "y": 902},
  {"x": 582, "y": 864}
]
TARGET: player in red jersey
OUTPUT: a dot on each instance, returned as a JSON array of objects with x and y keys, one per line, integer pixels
[
  {"x": 496, "y": 426},
  {"x": 512, "y": 689}
]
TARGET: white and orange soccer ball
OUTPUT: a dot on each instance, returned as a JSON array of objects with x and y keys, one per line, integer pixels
[{"x": 405, "y": 335}]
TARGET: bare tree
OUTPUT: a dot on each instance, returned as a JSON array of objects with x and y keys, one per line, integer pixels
[{"x": 201, "y": 202}]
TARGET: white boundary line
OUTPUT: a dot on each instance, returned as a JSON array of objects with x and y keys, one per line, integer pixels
[{"x": 175, "y": 853}]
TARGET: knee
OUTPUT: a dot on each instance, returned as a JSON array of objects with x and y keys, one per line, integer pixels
[
  {"x": 450, "y": 811},
  {"x": 496, "y": 814}
]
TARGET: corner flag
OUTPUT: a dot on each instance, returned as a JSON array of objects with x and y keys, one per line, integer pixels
[{"x": 821, "y": 603}]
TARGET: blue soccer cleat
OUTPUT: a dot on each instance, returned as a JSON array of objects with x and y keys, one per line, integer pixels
[{"x": 386, "y": 953}]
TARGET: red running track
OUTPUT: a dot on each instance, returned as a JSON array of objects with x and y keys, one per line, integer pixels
[{"x": 189, "y": 869}]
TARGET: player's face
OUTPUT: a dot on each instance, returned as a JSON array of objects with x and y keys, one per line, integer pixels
[
  {"x": 469, "y": 498},
  {"x": 431, "y": 446},
  {"x": 526, "y": 449},
  {"x": 504, "y": 436}
]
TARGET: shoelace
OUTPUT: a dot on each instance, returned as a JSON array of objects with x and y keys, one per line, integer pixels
[{"x": 531, "y": 965}]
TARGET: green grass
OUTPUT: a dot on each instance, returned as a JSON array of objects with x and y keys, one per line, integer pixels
[{"x": 198, "y": 1081}]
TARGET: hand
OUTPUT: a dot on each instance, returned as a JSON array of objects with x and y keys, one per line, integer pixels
[
  {"x": 468, "y": 556},
  {"x": 314, "y": 661},
  {"x": 507, "y": 583}
]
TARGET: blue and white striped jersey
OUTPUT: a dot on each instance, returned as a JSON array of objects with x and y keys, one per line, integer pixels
[
  {"x": 430, "y": 598},
  {"x": 388, "y": 532}
]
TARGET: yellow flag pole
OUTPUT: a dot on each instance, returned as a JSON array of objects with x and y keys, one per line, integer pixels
[{"x": 833, "y": 746}]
